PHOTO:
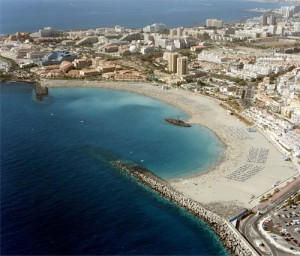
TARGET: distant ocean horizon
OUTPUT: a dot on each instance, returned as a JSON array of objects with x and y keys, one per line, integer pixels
[{"x": 32, "y": 15}]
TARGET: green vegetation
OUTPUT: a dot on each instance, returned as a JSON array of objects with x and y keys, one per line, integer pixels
[
  {"x": 276, "y": 191},
  {"x": 263, "y": 199},
  {"x": 234, "y": 104},
  {"x": 187, "y": 53},
  {"x": 290, "y": 68},
  {"x": 274, "y": 76},
  {"x": 111, "y": 58},
  {"x": 237, "y": 80},
  {"x": 204, "y": 37},
  {"x": 293, "y": 200},
  {"x": 201, "y": 83},
  {"x": 5, "y": 76},
  {"x": 297, "y": 198}
]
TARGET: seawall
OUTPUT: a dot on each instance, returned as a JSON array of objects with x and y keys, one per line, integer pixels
[{"x": 235, "y": 244}]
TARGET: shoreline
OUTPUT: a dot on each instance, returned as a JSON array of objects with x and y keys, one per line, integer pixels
[
  {"x": 212, "y": 187},
  {"x": 230, "y": 238},
  {"x": 122, "y": 86}
]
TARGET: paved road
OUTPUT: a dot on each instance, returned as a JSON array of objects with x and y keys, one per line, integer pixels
[
  {"x": 250, "y": 231},
  {"x": 282, "y": 195},
  {"x": 249, "y": 226}
]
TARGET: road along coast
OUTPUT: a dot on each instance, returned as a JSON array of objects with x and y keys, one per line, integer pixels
[{"x": 250, "y": 167}]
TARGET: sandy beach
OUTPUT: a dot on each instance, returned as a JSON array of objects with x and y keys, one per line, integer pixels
[{"x": 251, "y": 164}]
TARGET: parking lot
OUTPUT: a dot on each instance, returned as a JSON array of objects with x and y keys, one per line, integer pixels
[{"x": 284, "y": 226}]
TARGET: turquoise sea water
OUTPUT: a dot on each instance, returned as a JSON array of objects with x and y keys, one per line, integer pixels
[
  {"x": 59, "y": 195},
  {"x": 32, "y": 15}
]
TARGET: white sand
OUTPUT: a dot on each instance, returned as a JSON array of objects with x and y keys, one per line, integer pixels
[{"x": 221, "y": 194}]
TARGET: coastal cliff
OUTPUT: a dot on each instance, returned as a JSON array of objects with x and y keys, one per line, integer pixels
[{"x": 232, "y": 241}]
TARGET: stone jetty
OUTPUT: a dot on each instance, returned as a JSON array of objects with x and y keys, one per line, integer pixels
[
  {"x": 231, "y": 239},
  {"x": 40, "y": 91}
]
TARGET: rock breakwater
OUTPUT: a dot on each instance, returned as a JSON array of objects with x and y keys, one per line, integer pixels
[{"x": 235, "y": 244}]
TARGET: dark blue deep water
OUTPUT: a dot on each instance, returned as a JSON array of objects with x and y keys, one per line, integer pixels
[
  {"x": 31, "y": 15},
  {"x": 59, "y": 195}
]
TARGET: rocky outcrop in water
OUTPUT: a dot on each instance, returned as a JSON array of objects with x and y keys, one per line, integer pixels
[
  {"x": 228, "y": 235},
  {"x": 177, "y": 122}
]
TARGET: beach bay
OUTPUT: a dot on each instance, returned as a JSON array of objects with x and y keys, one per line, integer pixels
[
  {"x": 219, "y": 187},
  {"x": 59, "y": 193}
]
